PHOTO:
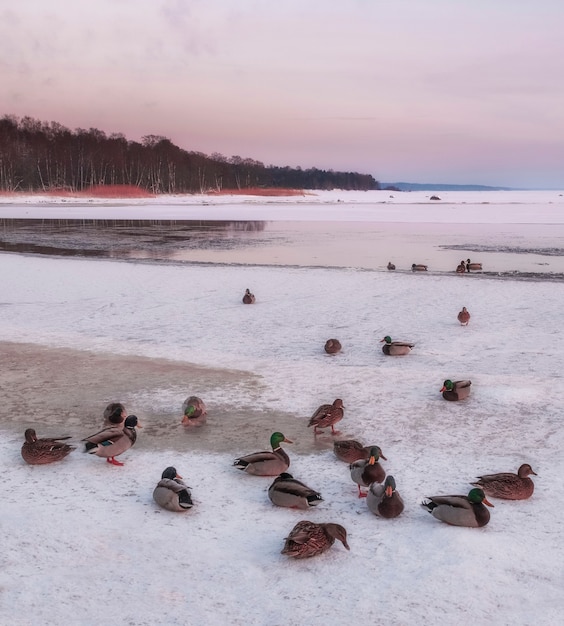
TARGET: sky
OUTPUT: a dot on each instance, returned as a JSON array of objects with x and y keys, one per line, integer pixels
[{"x": 465, "y": 92}]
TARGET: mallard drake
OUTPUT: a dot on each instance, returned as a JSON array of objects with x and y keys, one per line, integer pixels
[
  {"x": 42, "y": 451},
  {"x": 332, "y": 346},
  {"x": 395, "y": 348},
  {"x": 367, "y": 471},
  {"x": 248, "y": 298},
  {"x": 508, "y": 486},
  {"x": 289, "y": 492},
  {"x": 350, "y": 450},
  {"x": 194, "y": 411},
  {"x": 266, "y": 463},
  {"x": 171, "y": 492},
  {"x": 327, "y": 415},
  {"x": 309, "y": 539},
  {"x": 384, "y": 500},
  {"x": 114, "y": 414},
  {"x": 391, "y": 266},
  {"x": 464, "y": 316},
  {"x": 457, "y": 390},
  {"x": 472, "y": 266},
  {"x": 113, "y": 441},
  {"x": 418, "y": 267},
  {"x": 460, "y": 510}
]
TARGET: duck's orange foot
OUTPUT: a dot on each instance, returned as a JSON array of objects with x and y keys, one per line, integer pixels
[
  {"x": 362, "y": 495},
  {"x": 113, "y": 461}
]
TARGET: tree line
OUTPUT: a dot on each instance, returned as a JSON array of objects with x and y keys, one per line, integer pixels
[{"x": 46, "y": 156}]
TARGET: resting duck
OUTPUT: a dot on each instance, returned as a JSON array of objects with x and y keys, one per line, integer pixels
[
  {"x": 171, "y": 493},
  {"x": 327, "y": 415},
  {"x": 472, "y": 266},
  {"x": 395, "y": 348},
  {"x": 464, "y": 316},
  {"x": 42, "y": 451},
  {"x": 457, "y": 390},
  {"x": 365, "y": 472},
  {"x": 114, "y": 415},
  {"x": 418, "y": 267},
  {"x": 289, "y": 492},
  {"x": 391, "y": 266},
  {"x": 460, "y": 510},
  {"x": 332, "y": 346},
  {"x": 309, "y": 539},
  {"x": 350, "y": 450},
  {"x": 266, "y": 463},
  {"x": 194, "y": 411},
  {"x": 384, "y": 500},
  {"x": 460, "y": 269},
  {"x": 113, "y": 441},
  {"x": 508, "y": 486},
  {"x": 248, "y": 298}
]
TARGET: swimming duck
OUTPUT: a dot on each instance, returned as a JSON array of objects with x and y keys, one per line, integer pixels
[
  {"x": 327, "y": 415},
  {"x": 472, "y": 266},
  {"x": 508, "y": 486},
  {"x": 457, "y": 390},
  {"x": 464, "y": 316},
  {"x": 350, "y": 450},
  {"x": 367, "y": 471},
  {"x": 395, "y": 348},
  {"x": 460, "y": 269},
  {"x": 114, "y": 414},
  {"x": 289, "y": 492},
  {"x": 266, "y": 463},
  {"x": 171, "y": 492},
  {"x": 309, "y": 539},
  {"x": 418, "y": 267},
  {"x": 391, "y": 266},
  {"x": 42, "y": 451},
  {"x": 332, "y": 346},
  {"x": 248, "y": 298},
  {"x": 460, "y": 510},
  {"x": 194, "y": 411},
  {"x": 113, "y": 441},
  {"x": 384, "y": 500}
]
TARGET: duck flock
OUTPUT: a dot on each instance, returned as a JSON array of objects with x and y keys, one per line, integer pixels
[{"x": 118, "y": 435}]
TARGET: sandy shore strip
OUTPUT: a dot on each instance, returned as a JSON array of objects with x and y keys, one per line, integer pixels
[{"x": 64, "y": 392}]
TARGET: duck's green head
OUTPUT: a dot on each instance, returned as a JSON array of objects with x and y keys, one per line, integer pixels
[
  {"x": 375, "y": 454},
  {"x": 190, "y": 410},
  {"x": 276, "y": 439},
  {"x": 477, "y": 496},
  {"x": 387, "y": 339},
  {"x": 448, "y": 385}
]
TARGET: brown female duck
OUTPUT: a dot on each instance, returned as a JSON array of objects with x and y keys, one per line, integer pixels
[
  {"x": 171, "y": 492},
  {"x": 366, "y": 472},
  {"x": 384, "y": 500},
  {"x": 114, "y": 415},
  {"x": 508, "y": 486},
  {"x": 248, "y": 298},
  {"x": 309, "y": 539},
  {"x": 391, "y": 266},
  {"x": 457, "y": 390},
  {"x": 289, "y": 492},
  {"x": 194, "y": 411},
  {"x": 463, "y": 316},
  {"x": 266, "y": 463},
  {"x": 42, "y": 451},
  {"x": 332, "y": 346},
  {"x": 460, "y": 510},
  {"x": 350, "y": 450},
  {"x": 113, "y": 441},
  {"x": 327, "y": 415},
  {"x": 395, "y": 348}
]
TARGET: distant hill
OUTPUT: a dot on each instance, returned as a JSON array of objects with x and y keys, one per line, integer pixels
[{"x": 439, "y": 187}]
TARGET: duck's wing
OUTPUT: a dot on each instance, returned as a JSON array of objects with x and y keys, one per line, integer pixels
[
  {"x": 457, "y": 502},
  {"x": 111, "y": 434}
]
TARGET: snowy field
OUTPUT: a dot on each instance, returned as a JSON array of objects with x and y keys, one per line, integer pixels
[{"x": 85, "y": 544}]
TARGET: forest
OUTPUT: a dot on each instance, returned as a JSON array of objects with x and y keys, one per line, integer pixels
[{"x": 42, "y": 156}]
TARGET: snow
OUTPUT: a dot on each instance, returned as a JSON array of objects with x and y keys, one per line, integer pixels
[{"x": 85, "y": 544}]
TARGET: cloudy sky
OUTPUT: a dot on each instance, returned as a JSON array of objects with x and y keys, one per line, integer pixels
[{"x": 451, "y": 91}]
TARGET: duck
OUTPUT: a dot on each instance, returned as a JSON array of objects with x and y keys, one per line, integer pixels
[
  {"x": 460, "y": 269},
  {"x": 171, "y": 492},
  {"x": 37, "y": 451},
  {"x": 464, "y": 316},
  {"x": 308, "y": 539},
  {"x": 384, "y": 500},
  {"x": 457, "y": 390},
  {"x": 418, "y": 267},
  {"x": 364, "y": 472},
  {"x": 395, "y": 348},
  {"x": 508, "y": 486},
  {"x": 267, "y": 463},
  {"x": 460, "y": 510},
  {"x": 391, "y": 266},
  {"x": 194, "y": 411},
  {"x": 327, "y": 415},
  {"x": 472, "y": 266},
  {"x": 289, "y": 492},
  {"x": 332, "y": 346},
  {"x": 248, "y": 298},
  {"x": 113, "y": 441},
  {"x": 114, "y": 415},
  {"x": 350, "y": 450}
]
